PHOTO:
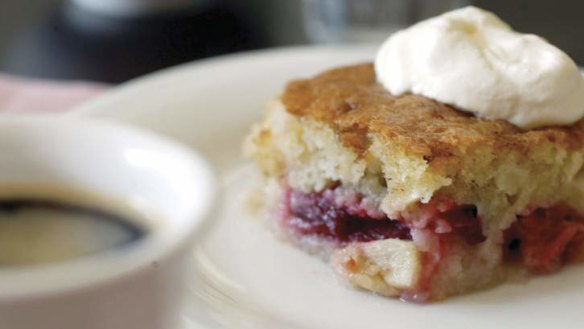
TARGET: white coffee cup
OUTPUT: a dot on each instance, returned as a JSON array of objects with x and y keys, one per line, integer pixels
[{"x": 141, "y": 288}]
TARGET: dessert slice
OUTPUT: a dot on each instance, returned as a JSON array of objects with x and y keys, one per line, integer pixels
[{"x": 409, "y": 197}]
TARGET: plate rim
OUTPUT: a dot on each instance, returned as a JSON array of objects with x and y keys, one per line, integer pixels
[{"x": 93, "y": 107}]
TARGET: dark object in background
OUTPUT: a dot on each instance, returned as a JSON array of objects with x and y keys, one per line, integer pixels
[
  {"x": 78, "y": 44},
  {"x": 560, "y": 22}
]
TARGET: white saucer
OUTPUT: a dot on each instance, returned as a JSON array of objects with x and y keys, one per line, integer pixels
[{"x": 247, "y": 279}]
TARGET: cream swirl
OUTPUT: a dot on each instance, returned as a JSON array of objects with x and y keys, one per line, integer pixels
[{"x": 472, "y": 60}]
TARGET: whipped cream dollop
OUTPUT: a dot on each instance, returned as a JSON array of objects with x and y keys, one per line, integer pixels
[{"x": 472, "y": 60}]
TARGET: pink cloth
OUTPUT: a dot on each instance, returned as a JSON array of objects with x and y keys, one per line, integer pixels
[{"x": 24, "y": 95}]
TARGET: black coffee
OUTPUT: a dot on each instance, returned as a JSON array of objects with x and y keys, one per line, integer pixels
[{"x": 37, "y": 231}]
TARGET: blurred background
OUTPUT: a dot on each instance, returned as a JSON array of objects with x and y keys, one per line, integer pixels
[{"x": 116, "y": 40}]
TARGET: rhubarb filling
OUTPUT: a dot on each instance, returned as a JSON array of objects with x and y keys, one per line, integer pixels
[
  {"x": 542, "y": 239},
  {"x": 432, "y": 226},
  {"x": 319, "y": 214}
]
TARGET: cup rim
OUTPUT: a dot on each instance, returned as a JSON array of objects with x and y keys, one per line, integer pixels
[{"x": 86, "y": 272}]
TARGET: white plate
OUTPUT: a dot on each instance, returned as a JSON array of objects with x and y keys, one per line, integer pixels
[{"x": 247, "y": 279}]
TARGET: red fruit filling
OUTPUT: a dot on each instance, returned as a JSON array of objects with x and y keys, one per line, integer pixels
[
  {"x": 446, "y": 220},
  {"x": 318, "y": 214},
  {"x": 433, "y": 227},
  {"x": 315, "y": 214},
  {"x": 544, "y": 239}
]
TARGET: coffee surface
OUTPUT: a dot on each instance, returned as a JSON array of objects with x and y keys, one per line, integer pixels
[{"x": 39, "y": 231}]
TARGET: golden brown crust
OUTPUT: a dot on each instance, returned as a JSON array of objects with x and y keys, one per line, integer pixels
[{"x": 351, "y": 101}]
